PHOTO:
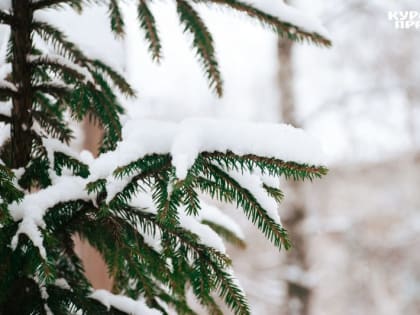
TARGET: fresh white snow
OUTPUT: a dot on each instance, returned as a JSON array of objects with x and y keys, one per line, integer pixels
[
  {"x": 254, "y": 185},
  {"x": 192, "y": 136},
  {"x": 291, "y": 15},
  {"x": 62, "y": 284},
  {"x": 5, "y": 108},
  {"x": 184, "y": 141},
  {"x": 33, "y": 207},
  {"x": 122, "y": 303},
  {"x": 217, "y": 216},
  {"x": 207, "y": 236},
  {"x": 7, "y": 85}
]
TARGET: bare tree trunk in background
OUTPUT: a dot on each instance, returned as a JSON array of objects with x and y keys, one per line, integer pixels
[
  {"x": 95, "y": 267},
  {"x": 413, "y": 97},
  {"x": 298, "y": 295}
]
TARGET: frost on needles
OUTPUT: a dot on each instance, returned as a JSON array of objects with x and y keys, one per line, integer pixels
[{"x": 141, "y": 202}]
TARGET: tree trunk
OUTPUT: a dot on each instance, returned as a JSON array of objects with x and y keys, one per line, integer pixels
[
  {"x": 21, "y": 124},
  {"x": 298, "y": 295},
  {"x": 22, "y": 102},
  {"x": 95, "y": 268}
]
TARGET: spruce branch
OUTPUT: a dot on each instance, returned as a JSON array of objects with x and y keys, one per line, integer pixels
[
  {"x": 283, "y": 29},
  {"x": 7, "y": 89},
  {"x": 53, "y": 126},
  {"x": 116, "y": 19},
  {"x": 47, "y": 104},
  {"x": 62, "y": 160},
  {"x": 116, "y": 78},
  {"x": 232, "y": 295},
  {"x": 271, "y": 166},
  {"x": 223, "y": 187},
  {"x": 148, "y": 24},
  {"x": 48, "y": 4},
  {"x": 5, "y": 119},
  {"x": 6, "y": 18},
  {"x": 8, "y": 191},
  {"x": 202, "y": 43},
  {"x": 36, "y": 174},
  {"x": 63, "y": 66},
  {"x": 55, "y": 89},
  {"x": 274, "y": 192},
  {"x": 52, "y": 35}
]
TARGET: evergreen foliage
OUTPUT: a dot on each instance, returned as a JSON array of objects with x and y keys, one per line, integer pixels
[{"x": 42, "y": 89}]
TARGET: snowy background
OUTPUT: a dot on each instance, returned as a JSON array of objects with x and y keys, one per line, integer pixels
[{"x": 360, "y": 99}]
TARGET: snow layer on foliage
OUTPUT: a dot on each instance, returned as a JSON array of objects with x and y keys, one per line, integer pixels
[
  {"x": 7, "y": 85},
  {"x": 5, "y": 68},
  {"x": 254, "y": 185},
  {"x": 6, "y": 108},
  {"x": 206, "y": 234},
  {"x": 4, "y": 134},
  {"x": 122, "y": 303},
  {"x": 286, "y": 13},
  {"x": 33, "y": 207},
  {"x": 144, "y": 202},
  {"x": 190, "y": 137},
  {"x": 215, "y": 215},
  {"x": 62, "y": 284},
  {"x": 184, "y": 141},
  {"x": 53, "y": 145},
  {"x": 140, "y": 138}
]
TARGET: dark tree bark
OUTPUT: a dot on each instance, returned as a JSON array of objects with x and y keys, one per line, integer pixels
[
  {"x": 21, "y": 120},
  {"x": 22, "y": 298}
]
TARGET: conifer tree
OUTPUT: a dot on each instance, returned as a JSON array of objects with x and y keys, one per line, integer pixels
[{"x": 139, "y": 204}]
